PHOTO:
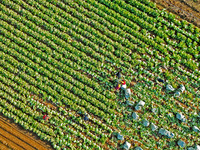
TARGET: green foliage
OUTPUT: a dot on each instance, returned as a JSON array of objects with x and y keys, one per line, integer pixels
[{"x": 67, "y": 52}]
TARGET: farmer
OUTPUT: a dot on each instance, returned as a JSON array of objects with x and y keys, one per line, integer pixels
[
  {"x": 118, "y": 74},
  {"x": 118, "y": 86},
  {"x": 45, "y": 117},
  {"x": 85, "y": 117},
  {"x": 123, "y": 84},
  {"x": 161, "y": 80}
]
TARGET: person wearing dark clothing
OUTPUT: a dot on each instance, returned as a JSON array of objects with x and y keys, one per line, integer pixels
[
  {"x": 160, "y": 80},
  {"x": 85, "y": 117},
  {"x": 118, "y": 74}
]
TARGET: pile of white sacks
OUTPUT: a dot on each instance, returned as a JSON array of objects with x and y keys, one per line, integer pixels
[
  {"x": 178, "y": 92},
  {"x": 167, "y": 133},
  {"x": 197, "y": 147},
  {"x": 181, "y": 117}
]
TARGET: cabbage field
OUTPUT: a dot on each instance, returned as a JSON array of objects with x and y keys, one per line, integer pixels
[{"x": 60, "y": 57}]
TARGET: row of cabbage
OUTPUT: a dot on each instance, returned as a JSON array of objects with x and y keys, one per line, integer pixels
[
  {"x": 62, "y": 122},
  {"x": 177, "y": 57},
  {"x": 92, "y": 44}
]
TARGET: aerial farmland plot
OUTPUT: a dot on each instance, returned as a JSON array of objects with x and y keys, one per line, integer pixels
[{"x": 99, "y": 74}]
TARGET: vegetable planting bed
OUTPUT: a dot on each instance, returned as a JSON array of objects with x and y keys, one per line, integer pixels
[
  {"x": 60, "y": 57},
  {"x": 186, "y": 9},
  {"x": 15, "y": 137}
]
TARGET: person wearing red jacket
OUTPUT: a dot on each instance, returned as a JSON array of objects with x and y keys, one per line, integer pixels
[
  {"x": 45, "y": 117},
  {"x": 123, "y": 85},
  {"x": 123, "y": 82}
]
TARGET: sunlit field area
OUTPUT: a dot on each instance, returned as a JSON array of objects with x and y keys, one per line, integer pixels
[{"x": 99, "y": 74}]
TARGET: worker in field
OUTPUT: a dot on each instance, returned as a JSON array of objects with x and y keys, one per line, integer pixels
[
  {"x": 118, "y": 74},
  {"x": 160, "y": 80},
  {"x": 45, "y": 117},
  {"x": 85, "y": 117},
  {"x": 123, "y": 84},
  {"x": 118, "y": 86}
]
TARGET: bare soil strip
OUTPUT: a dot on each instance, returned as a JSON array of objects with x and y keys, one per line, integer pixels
[
  {"x": 186, "y": 9},
  {"x": 192, "y": 4},
  {"x": 11, "y": 143},
  {"x": 7, "y": 134},
  {"x": 4, "y": 147},
  {"x": 14, "y": 135}
]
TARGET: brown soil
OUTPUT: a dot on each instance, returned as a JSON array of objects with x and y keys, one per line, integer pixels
[
  {"x": 10, "y": 143},
  {"x": 4, "y": 147},
  {"x": 194, "y": 5},
  {"x": 15, "y": 137},
  {"x": 186, "y": 9}
]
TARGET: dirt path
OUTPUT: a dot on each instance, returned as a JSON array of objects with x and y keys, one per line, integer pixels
[
  {"x": 11, "y": 143},
  {"x": 4, "y": 147},
  {"x": 194, "y": 5},
  {"x": 186, "y": 9},
  {"x": 14, "y": 138},
  {"x": 18, "y": 138}
]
